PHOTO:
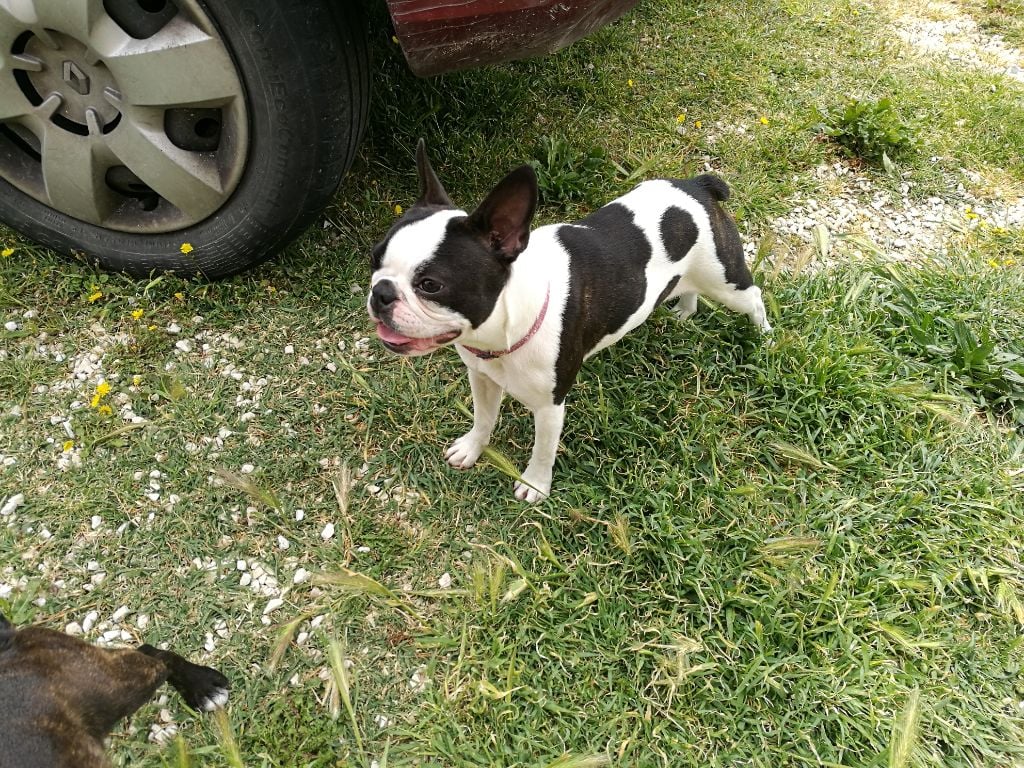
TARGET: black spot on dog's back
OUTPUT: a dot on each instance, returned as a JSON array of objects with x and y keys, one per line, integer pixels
[
  {"x": 708, "y": 190},
  {"x": 678, "y": 232},
  {"x": 608, "y": 255}
]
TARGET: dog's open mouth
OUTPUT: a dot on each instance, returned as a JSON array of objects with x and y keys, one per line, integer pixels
[{"x": 407, "y": 345}]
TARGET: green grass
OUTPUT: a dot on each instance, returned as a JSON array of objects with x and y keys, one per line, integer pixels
[{"x": 800, "y": 550}]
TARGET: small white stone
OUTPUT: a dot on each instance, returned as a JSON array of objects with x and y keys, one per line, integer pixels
[
  {"x": 174, "y": 328},
  {"x": 89, "y": 620},
  {"x": 327, "y": 532},
  {"x": 142, "y": 620},
  {"x": 363, "y": 549},
  {"x": 245, "y": 580},
  {"x": 301, "y": 575},
  {"x": 96, "y": 522},
  {"x": 10, "y": 325},
  {"x": 273, "y": 605},
  {"x": 300, "y": 514},
  {"x": 282, "y": 542},
  {"x": 120, "y": 613},
  {"x": 12, "y": 504},
  {"x": 289, "y": 349},
  {"x": 445, "y": 581},
  {"x": 248, "y": 469},
  {"x": 241, "y": 565},
  {"x": 74, "y": 628},
  {"x": 184, "y": 345},
  {"x": 30, "y": 314}
]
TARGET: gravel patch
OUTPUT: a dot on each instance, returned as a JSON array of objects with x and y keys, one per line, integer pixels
[
  {"x": 859, "y": 217},
  {"x": 956, "y": 37}
]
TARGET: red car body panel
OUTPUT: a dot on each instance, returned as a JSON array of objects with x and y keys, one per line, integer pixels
[{"x": 443, "y": 35}]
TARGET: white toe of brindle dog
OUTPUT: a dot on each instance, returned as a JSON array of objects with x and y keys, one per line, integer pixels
[{"x": 525, "y": 308}]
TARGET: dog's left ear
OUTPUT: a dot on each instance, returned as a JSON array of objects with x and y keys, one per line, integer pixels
[
  {"x": 6, "y": 632},
  {"x": 504, "y": 217},
  {"x": 431, "y": 190}
]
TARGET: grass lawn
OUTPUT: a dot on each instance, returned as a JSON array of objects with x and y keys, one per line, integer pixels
[{"x": 784, "y": 551}]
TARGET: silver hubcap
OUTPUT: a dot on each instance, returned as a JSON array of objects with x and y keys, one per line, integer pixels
[{"x": 126, "y": 114}]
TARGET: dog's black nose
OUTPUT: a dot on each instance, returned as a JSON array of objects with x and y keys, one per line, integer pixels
[{"x": 384, "y": 294}]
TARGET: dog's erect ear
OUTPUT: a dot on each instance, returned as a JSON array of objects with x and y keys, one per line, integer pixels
[
  {"x": 431, "y": 191},
  {"x": 6, "y": 632},
  {"x": 504, "y": 217}
]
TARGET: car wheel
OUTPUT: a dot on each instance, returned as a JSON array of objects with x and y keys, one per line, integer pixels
[{"x": 196, "y": 136}]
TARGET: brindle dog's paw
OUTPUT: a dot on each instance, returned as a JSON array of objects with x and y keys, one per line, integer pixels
[{"x": 202, "y": 688}]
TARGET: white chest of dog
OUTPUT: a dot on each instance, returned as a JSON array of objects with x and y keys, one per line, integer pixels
[{"x": 525, "y": 309}]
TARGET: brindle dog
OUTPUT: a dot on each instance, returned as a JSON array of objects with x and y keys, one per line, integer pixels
[{"x": 61, "y": 696}]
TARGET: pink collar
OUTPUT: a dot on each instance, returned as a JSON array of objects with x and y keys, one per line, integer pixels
[{"x": 486, "y": 354}]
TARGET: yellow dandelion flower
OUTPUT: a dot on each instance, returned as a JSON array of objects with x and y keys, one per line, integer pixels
[
  {"x": 681, "y": 118},
  {"x": 698, "y": 124},
  {"x": 993, "y": 263},
  {"x": 103, "y": 389},
  {"x": 186, "y": 248},
  {"x": 394, "y": 39},
  {"x": 398, "y": 210},
  {"x": 179, "y": 296},
  {"x": 137, "y": 313},
  {"x": 1009, "y": 262},
  {"x": 105, "y": 410},
  {"x": 764, "y": 120},
  {"x": 150, "y": 327},
  {"x": 136, "y": 380},
  {"x": 972, "y": 215},
  {"x": 630, "y": 82},
  {"x": 7, "y": 253},
  {"x": 68, "y": 445},
  {"x": 95, "y": 296},
  {"x": 95, "y": 402}
]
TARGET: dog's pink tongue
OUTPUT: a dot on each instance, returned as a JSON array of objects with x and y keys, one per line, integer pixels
[{"x": 391, "y": 336}]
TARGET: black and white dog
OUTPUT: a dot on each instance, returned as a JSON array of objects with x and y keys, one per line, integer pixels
[
  {"x": 61, "y": 696},
  {"x": 525, "y": 309}
]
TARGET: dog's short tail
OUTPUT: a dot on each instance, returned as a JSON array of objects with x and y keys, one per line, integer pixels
[{"x": 717, "y": 188}]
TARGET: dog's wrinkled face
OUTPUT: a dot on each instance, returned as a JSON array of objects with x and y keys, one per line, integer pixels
[{"x": 439, "y": 272}]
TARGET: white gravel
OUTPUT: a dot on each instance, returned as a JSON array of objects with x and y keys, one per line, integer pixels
[{"x": 951, "y": 34}]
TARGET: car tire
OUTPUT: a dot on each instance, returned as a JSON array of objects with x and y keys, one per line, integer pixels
[{"x": 299, "y": 105}]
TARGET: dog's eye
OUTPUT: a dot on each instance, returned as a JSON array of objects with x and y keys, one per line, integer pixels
[{"x": 429, "y": 286}]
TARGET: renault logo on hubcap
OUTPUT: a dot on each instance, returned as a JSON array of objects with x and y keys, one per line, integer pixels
[{"x": 76, "y": 78}]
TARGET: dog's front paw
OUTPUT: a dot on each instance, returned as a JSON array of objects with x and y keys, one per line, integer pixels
[
  {"x": 463, "y": 453},
  {"x": 533, "y": 487},
  {"x": 203, "y": 688}
]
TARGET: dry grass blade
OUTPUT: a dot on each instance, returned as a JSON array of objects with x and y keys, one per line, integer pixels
[
  {"x": 181, "y": 758},
  {"x": 800, "y": 456},
  {"x": 581, "y": 761},
  {"x": 348, "y": 579},
  {"x": 904, "y": 732},
  {"x": 249, "y": 487},
  {"x": 226, "y": 737},
  {"x": 343, "y": 685},
  {"x": 284, "y": 639},
  {"x": 352, "y": 581}
]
